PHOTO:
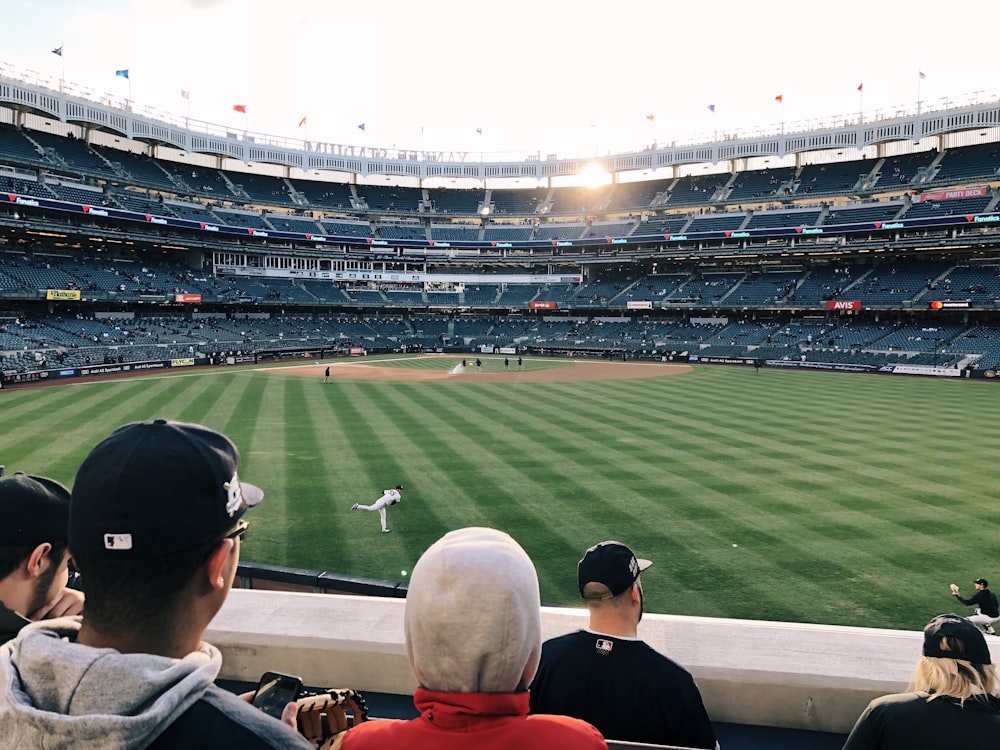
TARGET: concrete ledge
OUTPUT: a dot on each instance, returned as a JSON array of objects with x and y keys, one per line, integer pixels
[{"x": 811, "y": 677}]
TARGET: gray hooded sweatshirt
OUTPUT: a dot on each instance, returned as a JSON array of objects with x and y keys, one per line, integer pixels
[{"x": 55, "y": 694}]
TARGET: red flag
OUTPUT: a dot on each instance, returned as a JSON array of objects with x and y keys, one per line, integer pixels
[
  {"x": 861, "y": 86},
  {"x": 240, "y": 108},
  {"x": 650, "y": 117},
  {"x": 780, "y": 98},
  {"x": 302, "y": 122},
  {"x": 921, "y": 74}
]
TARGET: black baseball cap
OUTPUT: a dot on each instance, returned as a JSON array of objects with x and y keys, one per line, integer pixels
[
  {"x": 982, "y": 582},
  {"x": 971, "y": 643},
  {"x": 157, "y": 488},
  {"x": 32, "y": 510},
  {"x": 399, "y": 486},
  {"x": 610, "y": 563}
]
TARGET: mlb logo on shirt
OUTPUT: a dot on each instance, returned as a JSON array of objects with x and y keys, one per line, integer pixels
[
  {"x": 117, "y": 541},
  {"x": 603, "y": 646}
]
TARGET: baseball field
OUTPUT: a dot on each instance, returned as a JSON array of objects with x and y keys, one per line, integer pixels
[{"x": 795, "y": 496}]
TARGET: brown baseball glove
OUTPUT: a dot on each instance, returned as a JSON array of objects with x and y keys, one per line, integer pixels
[{"x": 324, "y": 716}]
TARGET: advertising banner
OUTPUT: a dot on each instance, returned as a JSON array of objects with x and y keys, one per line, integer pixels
[{"x": 62, "y": 294}]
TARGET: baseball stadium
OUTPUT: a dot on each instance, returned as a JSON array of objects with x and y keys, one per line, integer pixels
[{"x": 766, "y": 362}]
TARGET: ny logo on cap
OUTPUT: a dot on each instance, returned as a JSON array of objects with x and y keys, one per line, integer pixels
[
  {"x": 235, "y": 498},
  {"x": 633, "y": 566}
]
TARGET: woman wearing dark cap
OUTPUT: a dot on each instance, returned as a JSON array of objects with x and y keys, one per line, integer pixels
[{"x": 955, "y": 700}]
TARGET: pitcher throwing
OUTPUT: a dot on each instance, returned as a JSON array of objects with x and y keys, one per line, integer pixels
[{"x": 389, "y": 497}]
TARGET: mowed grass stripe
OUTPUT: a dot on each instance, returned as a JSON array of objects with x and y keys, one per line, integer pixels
[
  {"x": 629, "y": 498},
  {"x": 256, "y": 424},
  {"x": 58, "y": 445},
  {"x": 488, "y": 481},
  {"x": 383, "y": 456}
]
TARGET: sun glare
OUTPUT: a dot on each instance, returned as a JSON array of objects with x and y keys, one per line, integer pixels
[{"x": 593, "y": 175}]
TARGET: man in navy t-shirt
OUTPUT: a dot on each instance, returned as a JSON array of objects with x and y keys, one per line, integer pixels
[{"x": 609, "y": 677}]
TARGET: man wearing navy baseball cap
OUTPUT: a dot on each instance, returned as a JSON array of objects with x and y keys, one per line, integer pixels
[
  {"x": 34, "y": 556},
  {"x": 155, "y": 523},
  {"x": 609, "y": 677}
]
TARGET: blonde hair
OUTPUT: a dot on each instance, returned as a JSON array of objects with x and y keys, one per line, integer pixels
[{"x": 956, "y": 678}]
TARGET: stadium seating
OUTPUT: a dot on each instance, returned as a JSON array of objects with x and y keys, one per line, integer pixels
[
  {"x": 717, "y": 222},
  {"x": 80, "y": 172},
  {"x": 507, "y": 232},
  {"x": 695, "y": 190},
  {"x": 757, "y": 186},
  {"x": 456, "y": 201},
  {"x": 380, "y": 198},
  {"x": 822, "y": 180},
  {"x": 958, "y": 165},
  {"x": 517, "y": 202},
  {"x": 636, "y": 196}
]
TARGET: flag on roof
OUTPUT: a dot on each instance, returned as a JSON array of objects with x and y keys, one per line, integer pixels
[
  {"x": 861, "y": 86},
  {"x": 122, "y": 73},
  {"x": 921, "y": 74},
  {"x": 361, "y": 126},
  {"x": 711, "y": 108},
  {"x": 240, "y": 108},
  {"x": 58, "y": 51},
  {"x": 651, "y": 117},
  {"x": 302, "y": 122},
  {"x": 185, "y": 94},
  {"x": 780, "y": 98},
  {"x": 478, "y": 130}
]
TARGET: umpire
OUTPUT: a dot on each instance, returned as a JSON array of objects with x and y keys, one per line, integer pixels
[{"x": 607, "y": 676}]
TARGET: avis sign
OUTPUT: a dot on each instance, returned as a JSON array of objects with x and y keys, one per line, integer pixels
[{"x": 843, "y": 304}]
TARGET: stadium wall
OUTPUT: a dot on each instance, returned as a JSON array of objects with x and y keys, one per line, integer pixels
[{"x": 773, "y": 674}]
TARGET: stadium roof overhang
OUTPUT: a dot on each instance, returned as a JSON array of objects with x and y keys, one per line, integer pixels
[{"x": 163, "y": 128}]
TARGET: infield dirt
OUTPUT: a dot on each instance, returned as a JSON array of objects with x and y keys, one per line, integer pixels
[{"x": 489, "y": 373}]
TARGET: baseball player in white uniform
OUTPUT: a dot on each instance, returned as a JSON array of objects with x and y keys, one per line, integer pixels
[{"x": 389, "y": 497}]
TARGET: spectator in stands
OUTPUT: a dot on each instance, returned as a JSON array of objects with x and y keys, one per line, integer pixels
[
  {"x": 473, "y": 636},
  {"x": 607, "y": 676},
  {"x": 954, "y": 700},
  {"x": 34, "y": 556},
  {"x": 155, "y": 522}
]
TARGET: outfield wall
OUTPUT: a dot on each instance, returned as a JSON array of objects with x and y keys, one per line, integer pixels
[{"x": 796, "y": 676}]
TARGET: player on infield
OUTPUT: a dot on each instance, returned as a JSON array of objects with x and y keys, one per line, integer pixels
[{"x": 389, "y": 497}]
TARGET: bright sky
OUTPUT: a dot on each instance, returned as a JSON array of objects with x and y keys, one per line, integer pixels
[{"x": 548, "y": 76}]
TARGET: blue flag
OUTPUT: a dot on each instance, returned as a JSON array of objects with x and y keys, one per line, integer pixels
[
  {"x": 711, "y": 107},
  {"x": 122, "y": 73},
  {"x": 361, "y": 126}
]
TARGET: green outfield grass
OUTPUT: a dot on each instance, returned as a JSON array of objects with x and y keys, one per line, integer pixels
[{"x": 853, "y": 499}]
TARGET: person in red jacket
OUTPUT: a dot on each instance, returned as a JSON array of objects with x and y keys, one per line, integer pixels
[{"x": 473, "y": 637}]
